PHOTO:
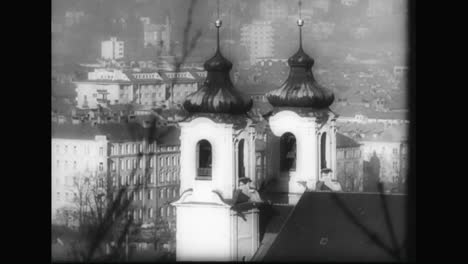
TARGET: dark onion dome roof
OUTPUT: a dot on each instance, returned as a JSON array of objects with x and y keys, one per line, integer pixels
[
  {"x": 217, "y": 94},
  {"x": 300, "y": 88}
]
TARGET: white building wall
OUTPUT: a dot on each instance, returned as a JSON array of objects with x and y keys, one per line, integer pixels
[
  {"x": 149, "y": 94},
  {"x": 304, "y": 130},
  {"x": 258, "y": 39},
  {"x": 207, "y": 228},
  {"x": 182, "y": 90},
  {"x": 389, "y": 160},
  {"x": 220, "y": 137},
  {"x": 86, "y": 154},
  {"x": 203, "y": 233},
  {"x": 112, "y": 49},
  {"x": 89, "y": 92}
]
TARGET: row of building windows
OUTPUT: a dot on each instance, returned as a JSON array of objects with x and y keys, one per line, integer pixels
[
  {"x": 169, "y": 161},
  {"x": 74, "y": 165},
  {"x": 131, "y": 179},
  {"x": 348, "y": 154},
  {"x": 126, "y": 149},
  {"x": 168, "y": 177},
  {"x": 74, "y": 149},
  {"x": 168, "y": 192},
  {"x": 128, "y": 164},
  {"x": 164, "y": 211},
  {"x": 136, "y": 148},
  {"x": 69, "y": 196}
]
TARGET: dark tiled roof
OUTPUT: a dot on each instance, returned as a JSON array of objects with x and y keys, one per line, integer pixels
[
  {"x": 113, "y": 131},
  {"x": 352, "y": 110},
  {"x": 390, "y": 134},
  {"x": 70, "y": 131},
  {"x": 169, "y": 135},
  {"x": 320, "y": 228},
  {"x": 343, "y": 141},
  {"x": 104, "y": 81}
]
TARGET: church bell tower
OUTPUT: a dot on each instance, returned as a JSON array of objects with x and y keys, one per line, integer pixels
[
  {"x": 302, "y": 141},
  {"x": 217, "y": 216}
]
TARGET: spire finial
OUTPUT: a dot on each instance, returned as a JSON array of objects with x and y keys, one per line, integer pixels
[
  {"x": 218, "y": 24},
  {"x": 300, "y": 23}
]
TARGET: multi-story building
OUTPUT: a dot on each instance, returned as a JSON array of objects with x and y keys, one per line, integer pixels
[
  {"x": 128, "y": 169},
  {"x": 403, "y": 167},
  {"x": 77, "y": 151},
  {"x": 147, "y": 165},
  {"x": 168, "y": 172},
  {"x": 73, "y": 17},
  {"x": 108, "y": 87},
  {"x": 257, "y": 37},
  {"x": 364, "y": 114},
  {"x": 182, "y": 84},
  {"x": 104, "y": 87},
  {"x": 150, "y": 88},
  {"x": 112, "y": 49},
  {"x": 273, "y": 9},
  {"x": 157, "y": 35},
  {"x": 348, "y": 164},
  {"x": 387, "y": 148}
]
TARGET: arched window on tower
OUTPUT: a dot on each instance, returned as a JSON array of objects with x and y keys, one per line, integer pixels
[
  {"x": 204, "y": 159},
  {"x": 240, "y": 157},
  {"x": 323, "y": 151},
  {"x": 288, "y": 152}
]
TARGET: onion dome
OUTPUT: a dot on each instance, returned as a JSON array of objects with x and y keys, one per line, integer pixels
[
  {"x": 217, "y": 94},
  {"x": 300, "y": 88}
]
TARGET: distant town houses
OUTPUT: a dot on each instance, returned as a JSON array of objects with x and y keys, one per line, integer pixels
[
  {"x": 390, "y": 148},
  {"x": 384, "y": 143},
  {"x": 257, "y": 38},
  {"x": 151, "y": 88},
  {"x": 273, "y": 9},
  {"x": 114, "y": 150},
  {"x": 113, "y": 49},
  {"x": 73, "y": 17},
  {"x": 126, "y": 154},
  {"x": 349, "y": 162},
  {"x": 157, "y": 36}
]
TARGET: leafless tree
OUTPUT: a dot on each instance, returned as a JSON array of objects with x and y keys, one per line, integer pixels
[{"x": 102, "y": 207}]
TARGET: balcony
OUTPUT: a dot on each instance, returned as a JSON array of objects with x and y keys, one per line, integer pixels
[{"x": 203, "y": 173}]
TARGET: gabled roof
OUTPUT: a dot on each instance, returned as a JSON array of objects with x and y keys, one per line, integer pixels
[
  {"x": 326, "y": 226},
  {"x": 352, "y": 110},
  {"x": 116, "y": 132},
  {"x": 390, "y": 134},
  {"x": 169, "y": 135},
  {"x": 343, "y": 141}
]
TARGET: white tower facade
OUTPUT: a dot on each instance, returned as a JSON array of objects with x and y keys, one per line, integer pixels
[
  {"x": 302, "y": 141},
  {"x": 217, "y": 215},
  {"x": 315, "y": 149},
  {"x": 208, "y": 228}
]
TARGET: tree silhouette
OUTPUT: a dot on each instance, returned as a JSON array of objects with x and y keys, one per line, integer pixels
[{"x": 107, "y": 220}]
